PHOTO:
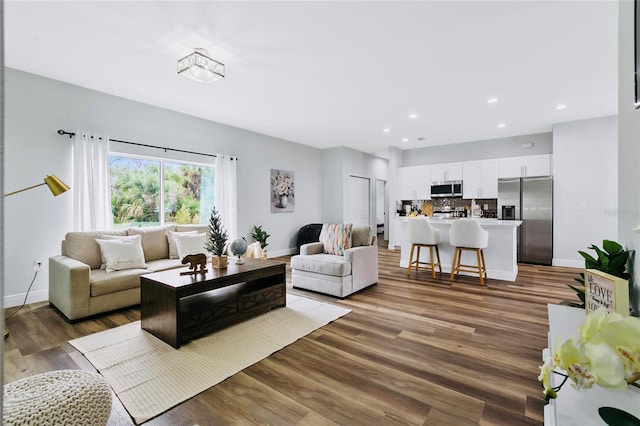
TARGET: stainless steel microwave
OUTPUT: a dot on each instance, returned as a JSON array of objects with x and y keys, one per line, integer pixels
[{"x": 451, "y": 188}]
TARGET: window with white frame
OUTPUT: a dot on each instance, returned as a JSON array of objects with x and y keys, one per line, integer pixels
[{"x": 147, "y": 191}]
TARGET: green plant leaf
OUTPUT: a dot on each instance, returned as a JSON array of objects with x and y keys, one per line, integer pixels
[
  {"x": 603, "y": 259},
  {"x": 587, "y": 257},
  {"x": 611, "y": 247}
]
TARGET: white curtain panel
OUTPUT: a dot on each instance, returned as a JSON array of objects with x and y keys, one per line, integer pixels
[
  {"x": 226, "y": 200},
  {"x": 91, "y": 200}
]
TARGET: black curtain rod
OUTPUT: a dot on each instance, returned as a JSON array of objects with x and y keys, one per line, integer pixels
[{"x": 72, "y": 134}]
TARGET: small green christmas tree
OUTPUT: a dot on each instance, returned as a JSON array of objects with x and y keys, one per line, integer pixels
[{"x": 217, "y": 234}]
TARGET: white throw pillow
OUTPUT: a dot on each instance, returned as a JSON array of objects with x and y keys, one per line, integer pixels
[
  {"x": 114, "y": 237},
  {"x": 122, "y": 254},
  {"x": 171, "y": 238},
  {"x": 190, "y": 244}
]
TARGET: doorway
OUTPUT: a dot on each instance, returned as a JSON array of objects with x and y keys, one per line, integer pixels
[
  {"x": 359, "y": 201},
  {"x": 382, "y": 222}
]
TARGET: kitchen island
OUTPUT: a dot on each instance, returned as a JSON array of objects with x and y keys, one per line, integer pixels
[{"x": 501, "y": 255}]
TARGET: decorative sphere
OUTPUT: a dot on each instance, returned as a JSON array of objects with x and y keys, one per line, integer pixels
[{"x": 239, "y": 247}]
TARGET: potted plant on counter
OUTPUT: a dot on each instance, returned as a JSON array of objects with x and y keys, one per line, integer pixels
[
  {"x": 611, "y": 258},
  {"x": 217, "y": 241}
]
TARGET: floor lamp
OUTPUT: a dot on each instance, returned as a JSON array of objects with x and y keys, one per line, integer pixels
[{"x": 57, "y": 187}]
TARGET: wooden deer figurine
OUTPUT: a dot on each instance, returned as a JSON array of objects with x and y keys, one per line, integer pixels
[{"x": 197, "y": 263}]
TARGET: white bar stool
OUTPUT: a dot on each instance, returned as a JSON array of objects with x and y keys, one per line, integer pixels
[
  {"x": 422, "y": 234},
  {"x": 467, "y": 234}
]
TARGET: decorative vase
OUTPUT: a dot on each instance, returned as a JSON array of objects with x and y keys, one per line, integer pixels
[
  {"x": 219, "y": 262},
  {"x": 284, "y": 201},
  {"x": 615, "y": 417}
]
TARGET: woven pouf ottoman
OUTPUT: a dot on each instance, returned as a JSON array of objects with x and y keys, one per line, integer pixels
[{"x": 63, "y": 397}]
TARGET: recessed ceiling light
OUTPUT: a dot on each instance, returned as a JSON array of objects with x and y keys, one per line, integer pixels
[
  {"x": 405, "y": 140},
  {"x": 413, "y": 116},
  {"x": 561, "y": 106},
  {"x": 492, "y": 100},
  {"x": 501, "y": 126},
  {"x": 386, "y": 130}
]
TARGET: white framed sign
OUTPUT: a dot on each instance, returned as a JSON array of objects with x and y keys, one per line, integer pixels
[{"x": 602, "y": 289}]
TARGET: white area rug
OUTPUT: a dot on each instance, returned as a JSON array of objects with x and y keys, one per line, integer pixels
[{"x": 150, "y": 377}]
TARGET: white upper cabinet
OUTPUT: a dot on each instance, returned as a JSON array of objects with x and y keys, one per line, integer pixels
[
  {"x": 537, "y": 165},
  {"x": 415, "y": 182},
  {"x": 470, "y": 179},
  {"x": 446, "y": 171},
  {"x": 480, "y": 179},
  {"x": 423, "y": 182},
  {"x": 406, "y": 177},
  {"x": 532, "y": 165},
  {"x": 489, "y": 179},
  {"x": 510, "y": 167}
]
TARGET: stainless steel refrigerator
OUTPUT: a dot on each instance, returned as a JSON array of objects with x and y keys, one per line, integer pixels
[{"x": 532, "y": 200}]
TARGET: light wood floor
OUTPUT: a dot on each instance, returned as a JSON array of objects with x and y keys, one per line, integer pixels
[{"x": 412, "y": 351}]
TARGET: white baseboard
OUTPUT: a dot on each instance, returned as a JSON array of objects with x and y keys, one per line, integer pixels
[
  {"x": 34, "y": 297},
  {"x": 568, "y": 263}
]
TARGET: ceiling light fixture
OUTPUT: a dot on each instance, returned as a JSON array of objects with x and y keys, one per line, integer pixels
[
  {"x": 412, "y": 116},
  {"x": 501, "y": 126},
  {"x": 405, "y": 140},
  {"x": 199, "y": 66},
  {"x": 386, "y": 130},
  {"x": 492, "y": 100},
  {"x": 561, "y": 106}
]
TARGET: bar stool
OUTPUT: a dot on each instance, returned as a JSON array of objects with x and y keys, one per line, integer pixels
[
  {"x": 467, "y": 234},
  {"x": 422, "y": 234}
]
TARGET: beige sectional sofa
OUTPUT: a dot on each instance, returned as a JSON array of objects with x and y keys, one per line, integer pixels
[{"x": 79, "y": 288}]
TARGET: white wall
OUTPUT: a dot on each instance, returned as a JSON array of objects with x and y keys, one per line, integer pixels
[
  {"x": 340, "y": 163},
  {"x": 364, "y": 165},
  {"x": 36, "y": 222},
  {"x": 585, "y": 187},
  {"x": 628, "y": 145},
  {"x": 479, "y": 150},
  {"x": 333, "y": 186}
]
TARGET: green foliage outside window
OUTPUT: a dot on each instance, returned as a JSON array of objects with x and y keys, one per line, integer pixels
[{"x": 135, "y": 191}]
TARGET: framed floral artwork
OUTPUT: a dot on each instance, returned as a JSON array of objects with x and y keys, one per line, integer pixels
[{"x": 282, "y": 191}]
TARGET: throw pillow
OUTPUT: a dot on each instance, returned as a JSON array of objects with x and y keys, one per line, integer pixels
[
  {"x": 190, "y": 244},
  {"x": 154, "y": 240},
  {"x": 336, "y": 238},
  {"x": 122, "y": 254},
  {"x": 115, "y": 237},
  {"x": 361, "y": 236},
  {"x": 171, "y": 238}
]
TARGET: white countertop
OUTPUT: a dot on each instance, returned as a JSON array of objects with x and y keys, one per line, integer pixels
[{"x": 482, "y": 221}]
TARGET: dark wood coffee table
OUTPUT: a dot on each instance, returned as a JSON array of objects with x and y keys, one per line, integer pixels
[{"x": 177, "y": 308}]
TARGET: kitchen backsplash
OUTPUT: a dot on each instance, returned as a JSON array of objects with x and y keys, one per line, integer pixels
[{"x": 489, "y": 206}]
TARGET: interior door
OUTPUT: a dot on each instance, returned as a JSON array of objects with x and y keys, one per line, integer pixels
[
  {"x": 359, "y": 201},
  {"x": 381, "y": 211}
]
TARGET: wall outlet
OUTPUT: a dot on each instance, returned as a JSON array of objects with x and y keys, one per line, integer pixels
[{"x": 38, "y": 265}]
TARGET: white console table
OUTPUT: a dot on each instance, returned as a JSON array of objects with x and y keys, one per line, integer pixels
[{"x": 580, "y": 408}]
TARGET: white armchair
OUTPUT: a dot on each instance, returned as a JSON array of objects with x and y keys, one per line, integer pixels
[{"x": 337, "y": 275}]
